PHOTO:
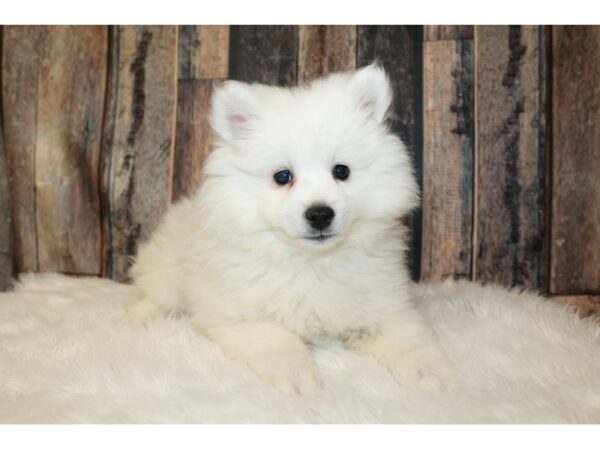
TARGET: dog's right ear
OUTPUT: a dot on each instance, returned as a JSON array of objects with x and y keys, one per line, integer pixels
[{"x": 232, "y": 110}]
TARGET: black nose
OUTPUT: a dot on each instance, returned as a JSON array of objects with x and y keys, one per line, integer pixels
[{"x": 319, "y": 216}]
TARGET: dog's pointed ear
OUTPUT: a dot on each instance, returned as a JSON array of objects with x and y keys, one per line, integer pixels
[
  {"x": 232, "y": 109},
  {"x": 373, "y": 90}
]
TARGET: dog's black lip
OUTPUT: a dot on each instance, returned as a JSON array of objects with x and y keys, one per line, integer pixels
[{"x": 320, "y": 237}]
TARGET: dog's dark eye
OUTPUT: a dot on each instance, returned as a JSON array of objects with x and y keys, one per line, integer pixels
[
  {"x": 341, "y": 172},
  {"x": 283, "y": 177}
]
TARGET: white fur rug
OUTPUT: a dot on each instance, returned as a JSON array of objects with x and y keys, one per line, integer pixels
[{"x": 67, "y": 356}]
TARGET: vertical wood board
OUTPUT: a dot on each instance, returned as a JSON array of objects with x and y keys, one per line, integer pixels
[
  {"x": 510, "y": 155},
  {"x": 264, "y": 54},
  {"x": 399, "y": 50},
  {"x": 575, "y": 240},
  {"x": 53, "y": 88},
  {"x": 324, "y": 49},
  {"x": 140, "y": 139},
  {"x": 203, "y": 52},
  {"x": 447, "y": 159},
  {"x": 194, "y": 137}
]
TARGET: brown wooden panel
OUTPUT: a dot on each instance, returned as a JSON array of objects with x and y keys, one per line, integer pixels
[
  {"x": 140, "y": 138},
  {"x": 6, "y": 239},
  {"x": 448, "y": 32},
  {"x": 203, "y": 51},
  {"x": 6, "y": 250},
  {"x": 510, "y": 130},
  {"x": 21, "y": 49},
  {"x": 193, "y": 140},
  {"x": 324, "y": 49},
  {"x": 587, "y": 305},
  {"x": 447, "y": 159},
  {"x": 575, "y": 240},
  {"x": 53, "y": 93},
  {"x": 399, "y": 50},
  {"x": 264, "y": 54}
]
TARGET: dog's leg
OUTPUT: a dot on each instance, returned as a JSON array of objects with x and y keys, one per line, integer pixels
[
  {"x": 407, "y": 346},
  {"x": 269, "y": 349}
]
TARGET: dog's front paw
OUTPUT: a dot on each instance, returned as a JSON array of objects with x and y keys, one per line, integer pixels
[
  {"x": 291, "y": 372},
  {"x": 140, "y": 314},
  {"x": 428, "y": 367}
]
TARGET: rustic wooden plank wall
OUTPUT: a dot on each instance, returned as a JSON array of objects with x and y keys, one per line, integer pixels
[
  {"x": 53, "y": 89},
  {"x": 102, "y": 127},
  {"x": 447, "y": 152},
  {"x": 264, "y": 54},
  {"x": 203, "y": 61},
  {"x": 510, "y": 156},
  {"x": 140, "y": 138},
  {"x": 575, "y": 239},
  {"x": 389, "y": 45},
  {"x": 6, "y": 239},
  {"x": 324, "y": 49}
]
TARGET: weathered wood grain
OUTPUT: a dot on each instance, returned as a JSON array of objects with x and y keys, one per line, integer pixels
[
  {"x": 203, "y": 52},
  {"x": 588, "y": 305},
  {"x": 6, "y": 246},
  {"x": 324, "y": 49},
  {"x": 510, "y": 155},
  {"x": 21, "y": 48},
  {"x": 399, "y": 50},
  {"x": 140, "y": 139},
  {"x": 264, "y": 54},
  {"x": 448, "y": 32},
  {"x": 447, "y": 159},
  {"x": 53, "y": 88},
  {"x": 193, "y": 141},
  {"x": 575, "y": 239},
  {"x": 6, "y": 240}
]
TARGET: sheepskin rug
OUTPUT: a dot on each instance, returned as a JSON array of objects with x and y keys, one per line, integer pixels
[{"x": 68, "y": 356}]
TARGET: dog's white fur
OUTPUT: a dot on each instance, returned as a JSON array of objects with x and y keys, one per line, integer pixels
[{"x": 236, "y": 256}]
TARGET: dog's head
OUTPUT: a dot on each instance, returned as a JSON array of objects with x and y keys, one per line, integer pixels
[{"x": 312, "y": 163}]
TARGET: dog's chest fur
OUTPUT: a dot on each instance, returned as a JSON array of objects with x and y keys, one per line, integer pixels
[{"x": 330, "y": 296}]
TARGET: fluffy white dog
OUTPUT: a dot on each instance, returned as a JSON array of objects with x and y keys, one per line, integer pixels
[{"x": 295, "y": 235}]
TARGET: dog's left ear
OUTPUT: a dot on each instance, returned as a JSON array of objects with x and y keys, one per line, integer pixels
[{"x": 373, "y": 90}]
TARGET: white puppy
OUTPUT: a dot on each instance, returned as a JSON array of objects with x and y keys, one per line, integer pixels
[{"x": 295, "y": 233}]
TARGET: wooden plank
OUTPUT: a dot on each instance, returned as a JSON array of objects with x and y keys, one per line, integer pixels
[
  {"x": 399, "y": 50},
  {"x": 53, "y": 88},
  {"x": 6, "y": 247},
  {"x": 6, "y": 239},
  {"x": 140, "y": 139},
  {"x": 447, "y": 159},
  {"x": 448, "y": 32},
  {"x": 203, "y": 52},
  {"x": 587, "y": 305},
  {"x": 20, "y": 63},
  {"x": 324, "y": 49},
  {"x": 264, "y": 54},
  {"x": 510, "y": 155},
  {"x": 193, "y": 141},
  {"x": 575, "y": 239},
  {"x": 203, "y": 60}
]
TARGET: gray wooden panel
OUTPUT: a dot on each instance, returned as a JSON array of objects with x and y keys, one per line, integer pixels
[
  {"x": 447, "y": 159},
  {"x": 510, "y": 155},
  {"x": 140, "y": 139},
  {"x": 399, "y": 50},
  {"x": 264, "y": 54}
]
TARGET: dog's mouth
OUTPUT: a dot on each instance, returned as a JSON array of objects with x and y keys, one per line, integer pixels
[{"x": 321, "y": 237}]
